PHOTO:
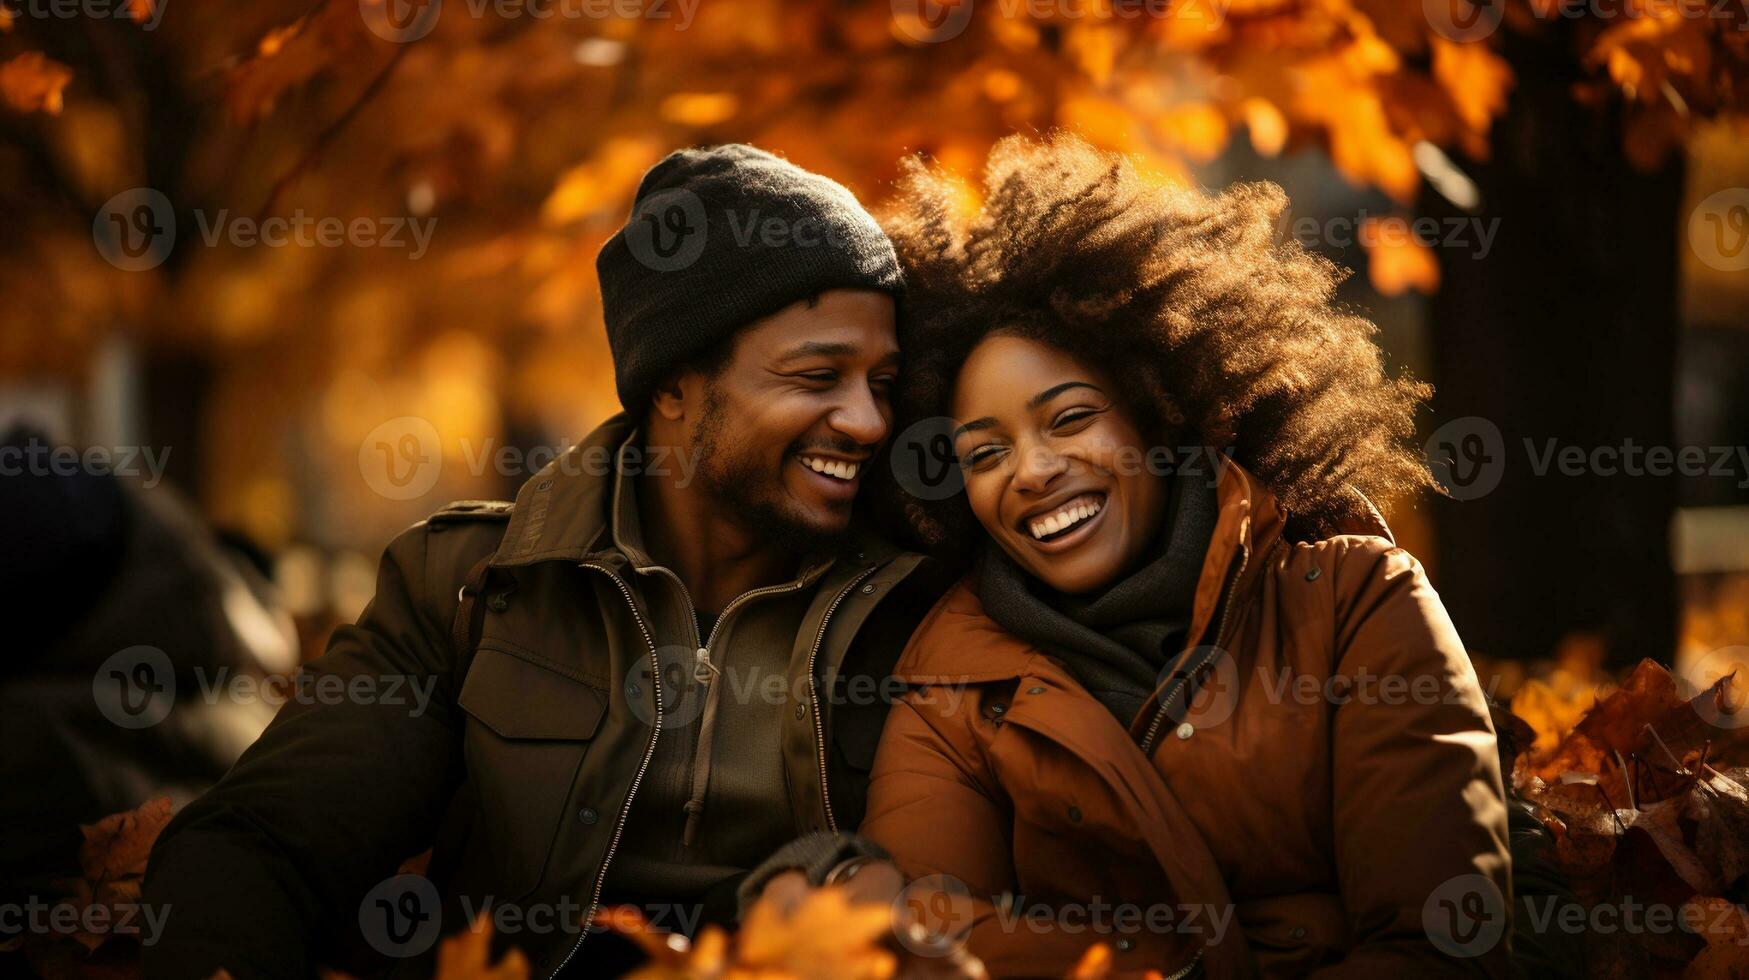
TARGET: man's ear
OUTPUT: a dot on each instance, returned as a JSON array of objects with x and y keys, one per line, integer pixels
[{"x": 669, "y": 398}]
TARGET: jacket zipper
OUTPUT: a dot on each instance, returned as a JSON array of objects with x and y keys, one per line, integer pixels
[
  {"x": 1220, "y": 634},
  {"x": 702, "y": 669},
  {"x": 649, "y": 751},
  {"x": 702, "y": 666},
  {"x": 1186, "y": 969},
  {"x": 814, "y": 693},
  {"x": 1160, "y": 716}
]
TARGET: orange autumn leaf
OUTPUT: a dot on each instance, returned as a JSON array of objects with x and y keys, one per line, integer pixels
[
  {"x": 826, "y": 934},
  {"x": 33, "y": 82},
  {"x": 602, "y": 183},
  {"x": 1475, "y": 79},
  {"x": 117, "y": 846},
  {"x": 1395, "y": 259},
  {"x": 467, "y": 956},
  {"x": 1552, "y": 707},
  {"x": 699, "y": 108},
  {"x": 1095, "y": 964},
  {"x": 1198, "y": 129},
  {"x": 1266, "y": 124},
  {"x": 1094, "y": 49}
]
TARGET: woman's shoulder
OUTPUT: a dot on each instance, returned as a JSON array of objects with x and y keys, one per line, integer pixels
[{"x": 957, "y": 642}]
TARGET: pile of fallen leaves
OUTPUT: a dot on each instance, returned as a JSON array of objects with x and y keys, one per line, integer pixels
[
  {"x": 1645, "y": 797},
  {"x": 96, "y": 918}
]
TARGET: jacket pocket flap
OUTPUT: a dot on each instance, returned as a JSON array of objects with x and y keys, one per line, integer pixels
[{"x": 518, "y": 698}]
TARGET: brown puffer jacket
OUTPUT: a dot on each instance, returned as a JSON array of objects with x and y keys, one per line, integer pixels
[{"x": 1330, "y": 803}]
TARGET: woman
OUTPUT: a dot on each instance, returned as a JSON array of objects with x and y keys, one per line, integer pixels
[{"x": 1195, "y": 704}]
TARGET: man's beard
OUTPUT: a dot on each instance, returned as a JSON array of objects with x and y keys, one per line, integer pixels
[{"x": 752, "y": 496}]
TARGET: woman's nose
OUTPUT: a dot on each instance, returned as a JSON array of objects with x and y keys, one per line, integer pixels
[{"x": 1039, "y": 467}]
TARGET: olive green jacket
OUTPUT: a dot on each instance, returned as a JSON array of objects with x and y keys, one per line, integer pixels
[{"x": 519, "y": 769}]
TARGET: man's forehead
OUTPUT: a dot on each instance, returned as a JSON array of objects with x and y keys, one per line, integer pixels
[{"x": 826, "y": 336}]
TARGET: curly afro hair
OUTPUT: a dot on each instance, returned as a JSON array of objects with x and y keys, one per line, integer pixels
[{"x": 1218, "y": 334}]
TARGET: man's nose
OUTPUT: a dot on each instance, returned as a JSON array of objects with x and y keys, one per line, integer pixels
[{"x": 861, "y": 417}]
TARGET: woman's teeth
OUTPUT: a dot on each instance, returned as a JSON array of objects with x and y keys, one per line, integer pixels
[
  {"x": 838, "y": 468},
  {"x": 1071, "y": 514}
]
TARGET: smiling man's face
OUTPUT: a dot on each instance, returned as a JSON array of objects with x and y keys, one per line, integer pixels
[{"x": 791, "y": 419}]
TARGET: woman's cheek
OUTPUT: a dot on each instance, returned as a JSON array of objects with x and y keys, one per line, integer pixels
[{"x": 985, "y": 496}]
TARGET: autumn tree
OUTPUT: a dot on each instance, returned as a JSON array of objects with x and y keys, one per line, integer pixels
[{"x": 523, "y": 125}]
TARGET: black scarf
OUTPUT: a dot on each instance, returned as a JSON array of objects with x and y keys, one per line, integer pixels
[{"x": 1115, "y": 641}]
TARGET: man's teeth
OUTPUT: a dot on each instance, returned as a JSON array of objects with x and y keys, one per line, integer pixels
[
  {"x": 1073, "y": 513},
  {"x": 839, "y": 468}
]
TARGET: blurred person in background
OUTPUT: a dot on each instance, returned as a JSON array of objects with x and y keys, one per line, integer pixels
[{"x": 116, "y": 598}]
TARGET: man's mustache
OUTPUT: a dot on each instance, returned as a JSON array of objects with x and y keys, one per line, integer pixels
[{"x": 841, "y": 447}]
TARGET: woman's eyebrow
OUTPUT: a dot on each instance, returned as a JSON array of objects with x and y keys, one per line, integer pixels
[
  {"x": 972, "y": 426},
  {"x": 1055, "y": 390}
]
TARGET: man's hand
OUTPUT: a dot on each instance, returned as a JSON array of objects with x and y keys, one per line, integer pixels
[{"x": 865, "y": 881}]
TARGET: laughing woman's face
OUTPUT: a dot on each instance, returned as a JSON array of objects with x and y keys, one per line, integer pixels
[{"x": 1055, "y": 470}]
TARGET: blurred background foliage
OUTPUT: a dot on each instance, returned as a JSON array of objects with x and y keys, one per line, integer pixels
[{"x": 1586, "y": 132}]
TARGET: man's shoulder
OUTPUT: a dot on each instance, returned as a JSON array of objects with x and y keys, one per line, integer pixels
[
  {"x": 439, "y": 552},
  {"x": 463, "y": 528},
  {"x": 471, "y": 510}
]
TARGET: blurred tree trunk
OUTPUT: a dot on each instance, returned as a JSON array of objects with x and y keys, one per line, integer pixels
[{"x": 1566, "y": 329}]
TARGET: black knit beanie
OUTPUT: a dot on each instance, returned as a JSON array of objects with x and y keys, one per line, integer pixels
[{"x": 719, "y": 237}]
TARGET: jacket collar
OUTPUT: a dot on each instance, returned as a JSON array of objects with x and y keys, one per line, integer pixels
[
  {"x": 561, "y": 511},
  {"x": 966, "y": 646}
]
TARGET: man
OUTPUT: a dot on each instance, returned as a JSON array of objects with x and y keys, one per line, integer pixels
[{"x": 644, "y": 677}]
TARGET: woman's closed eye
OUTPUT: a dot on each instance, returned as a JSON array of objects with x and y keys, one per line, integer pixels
[
  {"x": 979, "y": 456},
  {"x": 1070, "y": 419}
]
